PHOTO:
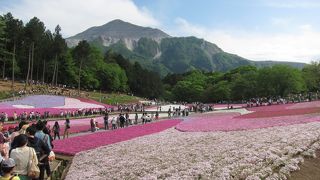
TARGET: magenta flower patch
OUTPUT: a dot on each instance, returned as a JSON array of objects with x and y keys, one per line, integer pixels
[{"x": 77, "y": 144}]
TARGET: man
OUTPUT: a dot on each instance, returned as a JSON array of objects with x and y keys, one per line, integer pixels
[
  {"x": 41, "y": 148},
  {"x": 46, "y": 138},
  {"x": 106, "y": 117}
]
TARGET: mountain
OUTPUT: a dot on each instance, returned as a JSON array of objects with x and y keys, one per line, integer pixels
[
  {"x": 159, "y": 52},
  {"x": 116, "y": 31}
]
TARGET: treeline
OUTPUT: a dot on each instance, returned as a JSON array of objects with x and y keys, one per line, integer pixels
[
  {"x": 242, "y": 83},
  {"x": 32, "y": 53}
]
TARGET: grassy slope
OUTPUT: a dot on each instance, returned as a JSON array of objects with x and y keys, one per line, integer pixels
[
  {"x": 107, "y": 98},
  {"x": 113, "y": 98}
]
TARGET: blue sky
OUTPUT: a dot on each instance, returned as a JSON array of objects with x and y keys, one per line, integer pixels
[{"x": 285, "y": 30}]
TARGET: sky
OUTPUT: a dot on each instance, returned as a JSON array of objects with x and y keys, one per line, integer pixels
[{"x": 282, "y": 30}]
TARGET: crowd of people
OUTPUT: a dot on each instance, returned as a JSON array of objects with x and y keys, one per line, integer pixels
[{"x": 26, "y": 151}]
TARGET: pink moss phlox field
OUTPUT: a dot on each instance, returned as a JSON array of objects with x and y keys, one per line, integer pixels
[
  {"x": 77, "y": 144},
  {"x": 53, "y": 104},
  {"x": 229, "y": 122}
]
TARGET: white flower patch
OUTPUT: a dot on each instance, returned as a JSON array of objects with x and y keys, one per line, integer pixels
[{"x": 269, "y": 153}]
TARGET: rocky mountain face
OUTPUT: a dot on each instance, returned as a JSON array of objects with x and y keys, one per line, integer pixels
[
  {"x": 116, "y": 31},
  {"x": 157, "y": 51}
]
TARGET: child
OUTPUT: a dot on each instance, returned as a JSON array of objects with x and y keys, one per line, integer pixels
[{"x": 7, "y": 166}]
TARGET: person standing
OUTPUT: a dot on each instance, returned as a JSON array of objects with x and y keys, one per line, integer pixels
[
  {"x": 114, "y": 123},
  {"x": 42, "y": 150},
  {"x": 22, "y": 155},
  {"x": 127, "y": 120},
  {"x": 136, "y": 119},
  {"x": 56, "y": 130},
  {"x": 66, "y": 128},
  {"x": 92, "y": 125},
  {"x": 105, "y": 120}
]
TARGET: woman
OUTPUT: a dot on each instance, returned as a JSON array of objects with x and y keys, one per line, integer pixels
[
  {"x": 92, "y": 125},
  {"x": 22, "y": 154},
  {"x": 56, "y": 130},
  {"x": 66, "y": 128}
]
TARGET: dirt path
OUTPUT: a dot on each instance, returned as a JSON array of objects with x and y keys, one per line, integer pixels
[{"x": 310, "y": 169}]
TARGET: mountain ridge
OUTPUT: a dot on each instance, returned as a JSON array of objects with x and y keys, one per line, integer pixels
[{"x": 158, "y": 51}]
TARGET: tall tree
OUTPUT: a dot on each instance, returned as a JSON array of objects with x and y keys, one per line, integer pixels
[
  {"x": 80, "y": 54},
  {"x": 14, "y": 42},
  {"x": 2, "y": 42},
  {"x": 34, "y": 31}
]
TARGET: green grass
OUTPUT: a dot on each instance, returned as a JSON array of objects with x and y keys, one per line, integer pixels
[
  {"x": 5, "y": 95},
  {"x": 113, "y": 98}
]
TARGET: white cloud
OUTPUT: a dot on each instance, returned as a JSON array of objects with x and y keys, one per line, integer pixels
[
  {"x": 301, "y": 46},
  {"x": 75, "y": 16}
]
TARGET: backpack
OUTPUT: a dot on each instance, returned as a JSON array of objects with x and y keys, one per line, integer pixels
[{"x": 36, "y": 147}]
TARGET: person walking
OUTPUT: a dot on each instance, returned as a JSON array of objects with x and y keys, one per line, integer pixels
[
  {"x": 56, "y": 130},
  {"x": 136, "y": 119},
  {"x": 22, "y": 155},
  {"x": 66, "y": 128},
  {"x": 114, "y": 123},
  {"x": 105, "y": 120}
]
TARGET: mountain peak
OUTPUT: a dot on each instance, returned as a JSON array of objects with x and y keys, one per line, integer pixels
[{"x": 115, "y": 31}]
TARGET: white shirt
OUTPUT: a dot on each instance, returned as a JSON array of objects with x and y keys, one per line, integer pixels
[{"x": 21, "y": 156}]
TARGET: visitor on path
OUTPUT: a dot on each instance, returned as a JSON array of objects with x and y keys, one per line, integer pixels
[
  {"x": 42, "y": 150},
  {"x": 47, "y": 130},
  {"x": 56, "y": 130},
  {"x": 4, "y": 148},
  {"x": 127, "y": 120},
  {"x": 136, "y": 119},
  {"x": 66, "y": 128},
  {"x": 92, "y": 125},
  {"x": 22, "y": 155},
  {"x": 46, "y": 139},
  {"x": 105, "y": 120},
  {"x": 122, "y": 120},
  {"x": 7, "y": 167},
  {"x": 114, "y": 123},
  {"x": 23, "y": 125},
  {"x": 41, "y": 135}
]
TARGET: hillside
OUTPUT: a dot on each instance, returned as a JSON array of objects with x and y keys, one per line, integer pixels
[
  {"x": 115, "y": 31},
  {"x": 107, "y": 98},
  {"x": 157, "y": 51}
]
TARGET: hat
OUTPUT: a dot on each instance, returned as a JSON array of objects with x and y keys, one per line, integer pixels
[{"x": 8, "y": 163}]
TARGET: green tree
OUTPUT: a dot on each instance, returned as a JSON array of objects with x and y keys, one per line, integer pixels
[
  {"x": 280, "y": 80},
  {"x": 311, "y": 75},
  {"x": 220, "y": 91}
]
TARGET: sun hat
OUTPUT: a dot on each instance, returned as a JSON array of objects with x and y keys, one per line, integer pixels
[{"x": 8, "y": 163}]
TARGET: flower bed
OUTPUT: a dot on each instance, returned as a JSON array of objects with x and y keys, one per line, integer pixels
[
  {"x": 76, "y": 103},
  {"x": 53, "y": 104},
  {"x": 269, "y": 153},
  {"x": 40, "y": 101},
  {"x": 77, "y": 144},
  {"x": 303, "y": 105},
  {"x": 94, "y": 102},
  {"x": 229, "y": 122},
  {"x": 280, "y": 112}
]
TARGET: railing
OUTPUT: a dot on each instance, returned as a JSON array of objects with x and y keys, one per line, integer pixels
[{"x": 60, "y": 171}]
